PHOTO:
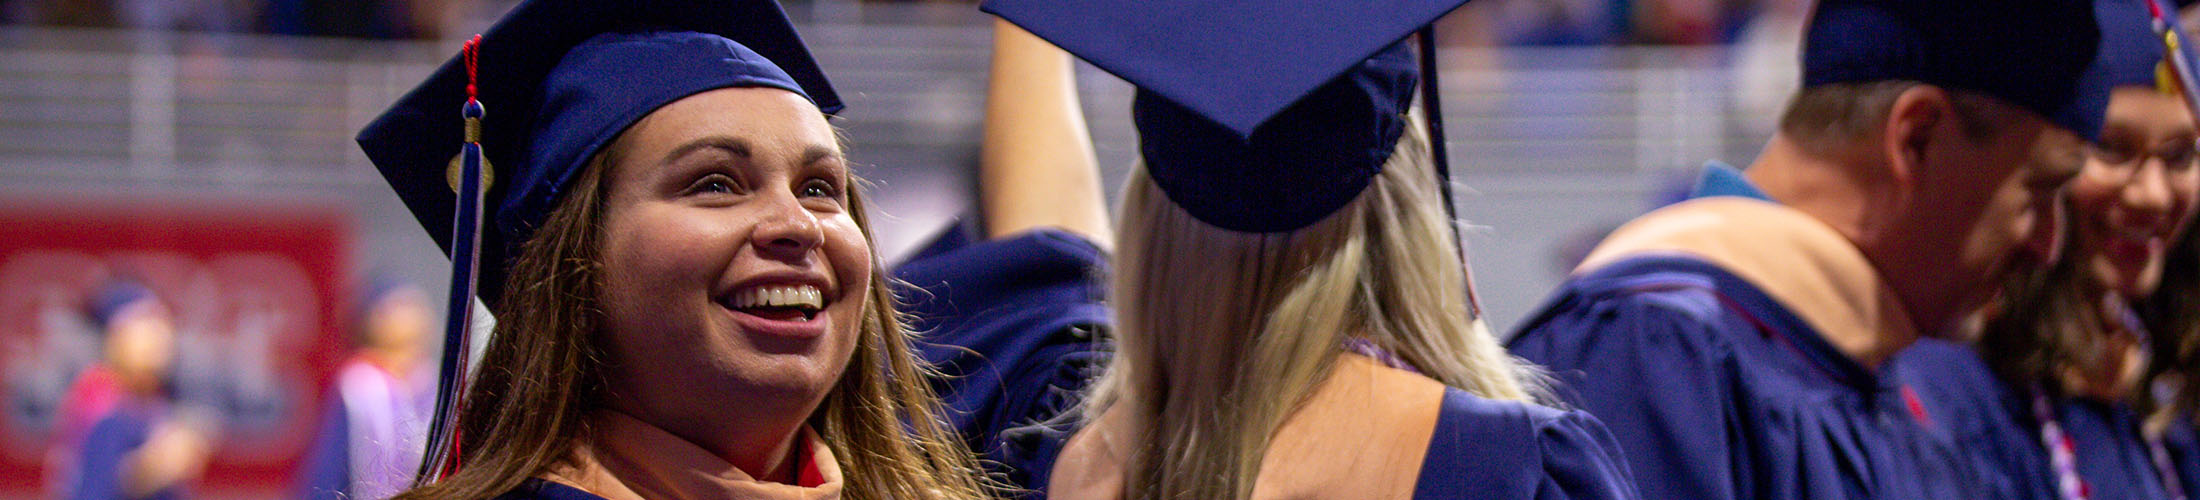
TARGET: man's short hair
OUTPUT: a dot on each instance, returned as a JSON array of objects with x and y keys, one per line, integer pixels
[{"x": 1829, "y": 116}]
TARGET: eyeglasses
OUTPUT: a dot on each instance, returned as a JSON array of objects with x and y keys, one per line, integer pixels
[{"x": 2176, "y": 155}]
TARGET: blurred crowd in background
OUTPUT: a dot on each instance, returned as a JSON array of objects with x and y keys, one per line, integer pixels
[
  {"x": 195, "y": 260},
  {"x": 352, "y": 19},
  {"x": 1507, "y": 22}
]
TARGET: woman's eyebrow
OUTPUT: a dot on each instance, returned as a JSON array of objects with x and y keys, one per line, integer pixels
[
  {"x": 733, "y": 145},
  {"x": 817, "y": 154}
]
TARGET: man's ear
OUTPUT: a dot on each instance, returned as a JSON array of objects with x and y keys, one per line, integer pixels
[{"x": 1917, "y": 118}]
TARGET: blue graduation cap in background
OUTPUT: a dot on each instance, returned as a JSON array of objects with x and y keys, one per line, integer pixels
[
  {"x": 1262, "y": 116},
  {"x": 1254, "y": 116},
  {"x": 2131, "y": 52},
  {"x": 537, "y": 96},
  {"x": 2030, "y": 53},
  {"x": 2179, "y": 58},
  {"x": 113, "y": 298}
]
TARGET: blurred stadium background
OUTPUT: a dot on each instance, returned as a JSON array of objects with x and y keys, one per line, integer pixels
[{"x": 206, "y": 146}]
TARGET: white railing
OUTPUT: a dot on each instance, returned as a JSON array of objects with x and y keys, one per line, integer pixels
[{"x": 1549, "y": 140}]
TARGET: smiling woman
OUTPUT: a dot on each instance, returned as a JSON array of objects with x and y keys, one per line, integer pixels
[
  {"x": 2071, "y": 325},
  {"x": 728, "y": 193},
  {"x": 688, "y": 300},
  {"x": 2043, "y": 404}
]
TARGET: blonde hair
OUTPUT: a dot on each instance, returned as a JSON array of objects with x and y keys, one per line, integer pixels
[
  {"x": 542, "y": 375},
  {"x": 1222, "y": 334}
]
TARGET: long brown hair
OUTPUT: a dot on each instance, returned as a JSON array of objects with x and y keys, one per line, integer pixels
[
  {"x": 543, "y": 375},
  {"x": 2172, "y": 317},
  {"x": 2047, "y": 323}
]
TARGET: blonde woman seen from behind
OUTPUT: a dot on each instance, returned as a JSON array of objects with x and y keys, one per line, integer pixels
[{"x": 1290, "y": 304}]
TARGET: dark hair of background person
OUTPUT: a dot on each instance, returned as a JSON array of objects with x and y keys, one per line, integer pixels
[{"x": 2172, "y": 318}]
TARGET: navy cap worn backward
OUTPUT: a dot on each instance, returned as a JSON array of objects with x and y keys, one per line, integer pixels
[
  {"x": 1295, "y": 169},
  {"x": 560, "y": 80},
  {"x": 2030, "y": 53},
  {"x": 1254, "y": 116}
]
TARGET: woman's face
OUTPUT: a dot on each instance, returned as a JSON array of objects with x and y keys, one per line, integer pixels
[
  {"x": 2137, "y": 191},
  {"x": 734, "y": 275},
  {"x": 141, "y": 344},
  {"x": 398, "y": 322}
]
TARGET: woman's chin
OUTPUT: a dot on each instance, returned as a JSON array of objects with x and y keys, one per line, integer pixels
[
  {"x": 789, "y": 374},
  {"x": 2130, "y": 278},
  {"x": 758, "y": 376}
]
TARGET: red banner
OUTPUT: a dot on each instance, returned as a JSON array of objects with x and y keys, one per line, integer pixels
[{"x": 254, "y": 291}]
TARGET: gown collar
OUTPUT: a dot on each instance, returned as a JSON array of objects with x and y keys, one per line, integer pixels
[
  {"x": 1720, "y": 179},
  {"x": 1363, "y": 433},
  {"x": 1800, "y": 262},
  {"x": 632, "y": 460}
]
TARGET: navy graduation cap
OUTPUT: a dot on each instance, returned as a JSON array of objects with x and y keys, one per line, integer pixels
[
  {"x": 559, "y": 79},
  {"x": 2136, "y": 48},
  {"x": 2030, "y": 53},
  {"x": 113, "y": 298},
  {"x": 2131, "y": 52},
  {"x": 1255, "y": 116},
  {"x": 526, "y": 105},
  {"x": 2178, "y": 74}
]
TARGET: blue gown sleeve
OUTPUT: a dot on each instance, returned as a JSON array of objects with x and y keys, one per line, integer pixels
[
  {"x": 1960, "y": 395},
  {"x": 106, "y": 446},
  {"x": 1639, "y": 354},
  {"x": 541, "y": 489},
  {"x": 1582, "y": 461},
  {"x": 1489, "y": 449},
  {"x": 2183, "y": 444},
  {"x": 326, "y": 473},
  {"x": 1017, "y": 328}
]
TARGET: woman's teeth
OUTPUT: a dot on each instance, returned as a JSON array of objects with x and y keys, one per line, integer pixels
[{"x": 796, "y": 296}]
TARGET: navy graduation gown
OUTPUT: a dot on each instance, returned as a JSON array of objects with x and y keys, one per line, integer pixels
[
  {"x": 1996, "y": 424},
  {"x": 1016, "y": 326},
  {"x": 1477, "y": 448},
  {"x": 1476, "y": 452},
  {"x": 1716, "y": 391},
  {"x": 326, "y": 474},
  {"x": 2113, "y": 457},
  {"x": 541, "y": 489},
  {"x": 2182, "y": 443},
  {"x": 107, "y": 448},
  {"x": 1720, "y": 179}
]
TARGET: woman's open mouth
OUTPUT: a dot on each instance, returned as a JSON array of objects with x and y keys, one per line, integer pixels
[
  {"x": 785, "y": 310},
  {"x": 780, "y": 302},
  {"x": 2134, "y": 250}
]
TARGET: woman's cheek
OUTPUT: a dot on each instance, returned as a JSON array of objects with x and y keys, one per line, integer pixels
[{"x": 849, "y": 254}]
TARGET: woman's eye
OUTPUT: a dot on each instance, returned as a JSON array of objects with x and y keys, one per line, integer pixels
[
  {"x": 2179, "y": 155},
  {"x": 819, "y": 188},
  {"x": 2113, "y": 153},
  {"x": 2178, "y": 159},
  {"x": 713, "y": 183}
]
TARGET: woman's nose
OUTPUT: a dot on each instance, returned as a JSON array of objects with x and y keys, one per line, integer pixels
[
  {"x": 2147, "y": 197},
  {"x": 788, "y": 231}
]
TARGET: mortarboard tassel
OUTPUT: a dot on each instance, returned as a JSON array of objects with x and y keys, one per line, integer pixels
[
  {"x": 2180, "y": 61},
  {"x": 469, "y": 177},
  {"x": 1436, "y": 148},
  {"x": 2173, "y": 75}
]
